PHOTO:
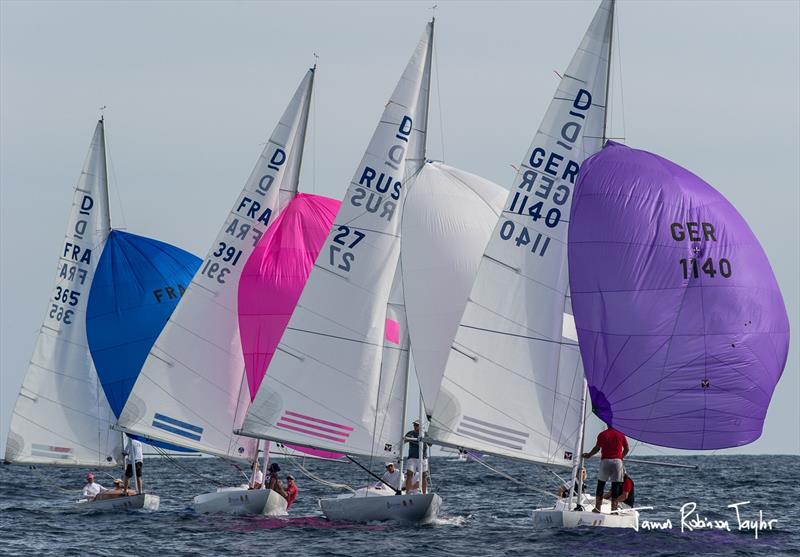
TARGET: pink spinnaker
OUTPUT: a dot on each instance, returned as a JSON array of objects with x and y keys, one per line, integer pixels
[{"x": 273, "y": 279}]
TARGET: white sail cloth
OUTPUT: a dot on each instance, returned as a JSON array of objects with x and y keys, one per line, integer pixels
[
  {"x": 448, "y": 219},
  {"x": 325, "y": 387},
  {"x": 62, "y": 415},
  {"x": 191, "y": 390},
  {"x": 512, "y": 385}
]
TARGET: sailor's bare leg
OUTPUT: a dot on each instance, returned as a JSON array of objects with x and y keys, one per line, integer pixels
[{"x": 409, "y": 480}]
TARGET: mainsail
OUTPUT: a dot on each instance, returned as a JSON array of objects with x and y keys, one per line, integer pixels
[
  {"x": 512, "y": 385},
  {"x": 447, "y": 221},
  {"x": 62, "y": 416},
  {"x": 682, "y": 326},
  {"x": 192, "y": 389},
  {"x": 324, "y": 387}
]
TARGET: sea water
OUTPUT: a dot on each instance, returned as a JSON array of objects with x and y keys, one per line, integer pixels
[{"x": 694, "y": 512}]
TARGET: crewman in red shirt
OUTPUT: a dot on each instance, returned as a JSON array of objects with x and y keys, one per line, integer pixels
[
  {"x": 613, "y": 447},
  {"x": 291, "y": 491}
]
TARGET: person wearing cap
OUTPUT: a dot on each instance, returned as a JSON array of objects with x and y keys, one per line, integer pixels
[
  {"x": 390, "y": 477},
  {"x": 290, "y": 491},
  {"x": 92, "y": 489},
  {"x": 414, "y": 464}
]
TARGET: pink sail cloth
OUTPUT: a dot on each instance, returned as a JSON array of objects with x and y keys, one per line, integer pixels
[{"x": 273, "y": 279}]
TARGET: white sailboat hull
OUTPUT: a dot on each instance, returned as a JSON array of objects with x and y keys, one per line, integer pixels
[
  {"x": 240, "y": 500},
  {"x": 145, "y": 501},
  {"x": 561, "y": 516},
  {"x": 373, "y": 505}
]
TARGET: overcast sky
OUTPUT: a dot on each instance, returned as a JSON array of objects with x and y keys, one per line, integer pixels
[{"x": 193, "y": 90}]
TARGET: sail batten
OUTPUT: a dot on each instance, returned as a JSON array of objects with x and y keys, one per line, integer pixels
[
  {"x": 512, "y": 367},
  {"x": 192, "y": 390}
]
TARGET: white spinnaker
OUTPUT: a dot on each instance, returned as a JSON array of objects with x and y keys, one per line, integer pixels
[
  {"x": 323, "y": 384},
  {"x": 62, "y": 415},
  {"x": 512, "y": 384},
  {"x": 192, "y": 390},
  {"x": 447, "y": 222}
]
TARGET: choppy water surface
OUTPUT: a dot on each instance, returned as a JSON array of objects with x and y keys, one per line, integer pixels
[{"x": 483, "y": 514}]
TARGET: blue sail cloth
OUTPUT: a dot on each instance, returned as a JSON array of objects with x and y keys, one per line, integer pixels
[{"x": 136, "y": 287}]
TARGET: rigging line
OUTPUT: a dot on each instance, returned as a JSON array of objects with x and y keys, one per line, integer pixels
[
  {"x": 439, "y": 96},
  {"x": 511, "y": 478},
  {"x": 621, "y": 80},
  {"x": 311, "y": 476},
  {"x": 117, "y": 189},
  {"x": 49, "y": 481},
  {"x": 174, "y": 462},
  {"x": 371, "y": 473}
]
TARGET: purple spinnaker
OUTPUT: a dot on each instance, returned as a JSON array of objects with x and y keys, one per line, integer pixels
[{"x": 682, "y": 326}]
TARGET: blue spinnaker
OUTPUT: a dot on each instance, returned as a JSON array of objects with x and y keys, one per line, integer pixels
[{"x": 138, "y": 283}]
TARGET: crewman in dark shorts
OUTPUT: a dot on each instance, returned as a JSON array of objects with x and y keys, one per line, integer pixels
[{"x": 135, "y": 455}]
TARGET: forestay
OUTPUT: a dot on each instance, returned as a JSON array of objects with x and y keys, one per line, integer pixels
[
  {"x": 448, "y": 219},
  {"x": 681, "y": 322},
  {"x": 512, "y": 384},
  {"x": 191, "y": 390},
  {"x": 62, "y": 416},
  {"x": 324, "y": 387}
]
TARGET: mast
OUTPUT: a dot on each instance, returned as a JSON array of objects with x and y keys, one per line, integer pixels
[
  {"x": 608, "y": 74},
  {"x": 576, "y": 474}
]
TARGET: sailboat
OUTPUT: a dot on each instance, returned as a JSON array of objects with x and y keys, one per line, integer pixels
[
  {"x": 62, "y": 416},
  {"x": 192, "y": 390},
  {"x": 512, "y": 384},
  {"x": 338, "y": 379}
]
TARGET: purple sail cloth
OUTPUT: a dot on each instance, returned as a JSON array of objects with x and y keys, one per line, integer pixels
[{"x": 682, "y": 327}]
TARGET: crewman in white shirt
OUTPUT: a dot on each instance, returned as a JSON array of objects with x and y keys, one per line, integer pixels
[
  {"x": 133, "y": 450},
  {"x": 391, "y": 476},
  {"x": 92, "y": 488}
]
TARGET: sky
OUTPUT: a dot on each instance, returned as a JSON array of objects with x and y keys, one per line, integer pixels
[{"x": 194, "y": 89}]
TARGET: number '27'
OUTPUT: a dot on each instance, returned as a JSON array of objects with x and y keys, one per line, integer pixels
[{"x": 347, "y": 257}]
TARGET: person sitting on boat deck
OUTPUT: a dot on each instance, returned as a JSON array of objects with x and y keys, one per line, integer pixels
[
  {"x": 274, "y": 482},
  {"x": 563, "y": 491},
  {"x": 291, "y": 491},
  {"x": 391, "y": 477},
  {"x": 627, "y": 495},
  {"x": 414, "y": 463},
  {"x": 92, "y": 489},
  {"x": 133, "y": 451},
  {"x": 613, "y": 447},
  {"x": 116, "y": 491},
  {"x": 258, "y": 478}
]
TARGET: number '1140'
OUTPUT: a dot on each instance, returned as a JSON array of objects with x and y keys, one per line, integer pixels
[{"x": 692, "y": 267}]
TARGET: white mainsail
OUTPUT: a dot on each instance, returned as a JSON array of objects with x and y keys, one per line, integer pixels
[
  {"x": 192, "y": 389},
  {"x": 324, "y": 385},
  {"x": 448, "y": 220},
  {"x": 512, "y": 385},
  {"x": 62, "y": 415}
]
